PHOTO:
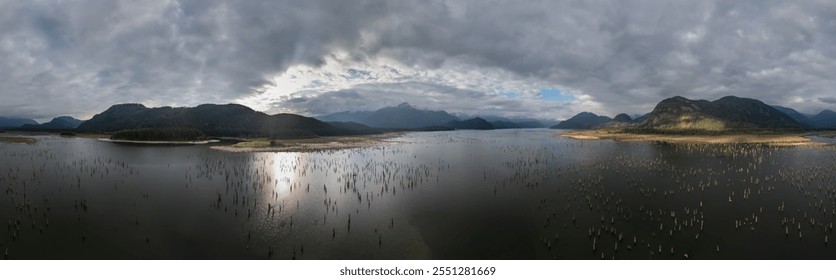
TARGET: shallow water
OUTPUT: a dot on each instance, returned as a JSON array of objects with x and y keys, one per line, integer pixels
[{"x": 504, "y": 194}]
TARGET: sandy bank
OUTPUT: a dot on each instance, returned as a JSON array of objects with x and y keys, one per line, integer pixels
[
  {"x": 160, "y": 142},
  {"x": 313, "y": 144},
  {"x": 790, "y": 139},
  {"x": 17, "y": 140}
]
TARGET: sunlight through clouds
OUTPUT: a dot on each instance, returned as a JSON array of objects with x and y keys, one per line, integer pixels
[{"x": 340, "y": 73}]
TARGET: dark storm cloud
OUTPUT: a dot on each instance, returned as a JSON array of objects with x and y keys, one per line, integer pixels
[
  {"x": 830, "y": 100},
  {"x": 79, "y": 57},
  {"x": 96, "y": 53}
]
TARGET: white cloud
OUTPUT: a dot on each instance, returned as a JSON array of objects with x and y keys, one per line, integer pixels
[{"x": 373, "y": 77}]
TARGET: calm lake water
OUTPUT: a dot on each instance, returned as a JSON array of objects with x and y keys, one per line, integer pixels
[{"x": 504, "y": 194}]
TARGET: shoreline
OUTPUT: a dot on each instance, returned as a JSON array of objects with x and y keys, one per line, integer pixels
[
  {"x": 203, "y": 142},
  {"x": 312, "y": 144},
  {"x": 782, "y": 140}
]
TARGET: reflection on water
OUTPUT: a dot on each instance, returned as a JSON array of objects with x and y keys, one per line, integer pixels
[{"x": 506, "y": 194}]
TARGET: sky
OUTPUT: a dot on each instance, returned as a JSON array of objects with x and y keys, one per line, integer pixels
[{"x": 542, "y": 59}]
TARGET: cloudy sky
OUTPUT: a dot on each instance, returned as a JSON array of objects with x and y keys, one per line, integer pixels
[{"x": 546, "y": 59}]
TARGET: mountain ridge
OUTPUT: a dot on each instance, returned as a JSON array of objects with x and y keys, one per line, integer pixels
[
  {"x": 15, "y": 122},
  {"x": 406, "y": 116},
  {"x": 797, "y": 116},
  {"x": 826, "y": 119},
  {"x": 474, "y": 123},
  {"x": 583, "y": 120},
  {"x": 228, "y": 120},
  {"x": 402, "y": 116},
  {"x": 57, "y": 123},
  {"x": 725, "y": 114}
]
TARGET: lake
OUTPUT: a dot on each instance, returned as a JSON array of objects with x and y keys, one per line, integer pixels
[{"x": 502, "y": 194}]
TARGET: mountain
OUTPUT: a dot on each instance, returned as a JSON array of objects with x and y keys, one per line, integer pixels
[
  {"x": 506, "y": 123},
  {"x": 825, "y": 119},
  {"x": 13, "y": 122},
  {"x": 584, "y": 120},
  {"x": 642, "y": 118},
  {"x": 402, "y": 116},
  {"x": 549, "y": 123},
  {"x": 724, "y": 114},
  {"x": 799, "y": 117},
  {"x": 623, "y": 118},
  {"x": 405, "y": 116},
  {"x": 619, "y": 121},
  {"x": 231, "y": 120},
  {"x": 355, "y": 117},
  {"x": 58, "y": 123},
  {"x": 512, "y": 122},
  {"x": 474, "y": 123}
]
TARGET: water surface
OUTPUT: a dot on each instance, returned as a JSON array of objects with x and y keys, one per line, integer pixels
[{"x": 504, "y": 194}]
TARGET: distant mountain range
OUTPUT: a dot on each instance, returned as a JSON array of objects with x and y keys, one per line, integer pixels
[
  {"x": 619, "y": 121},
  {"x": 405, "y": 116},
  {"x": 795, "y": 115},
  {"x": 729, "y": 113},
  {"x": 229, "y": 120},
  {"x": 641, "y": 118},
  {"x": 826, "y": 119},
  {"x": 505, "y": 122},
  {"x": 59, "y": 123},
  {"x": 13, "y": 122},
  {"x": 622, "y": 118},
  {"x": 474, "y": 123}
]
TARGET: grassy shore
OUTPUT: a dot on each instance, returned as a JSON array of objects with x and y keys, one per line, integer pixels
[
  {"x": 774, "y": 139},
  {"x": 311, "y": 144},
  {"x": 17, "y": 140}
]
